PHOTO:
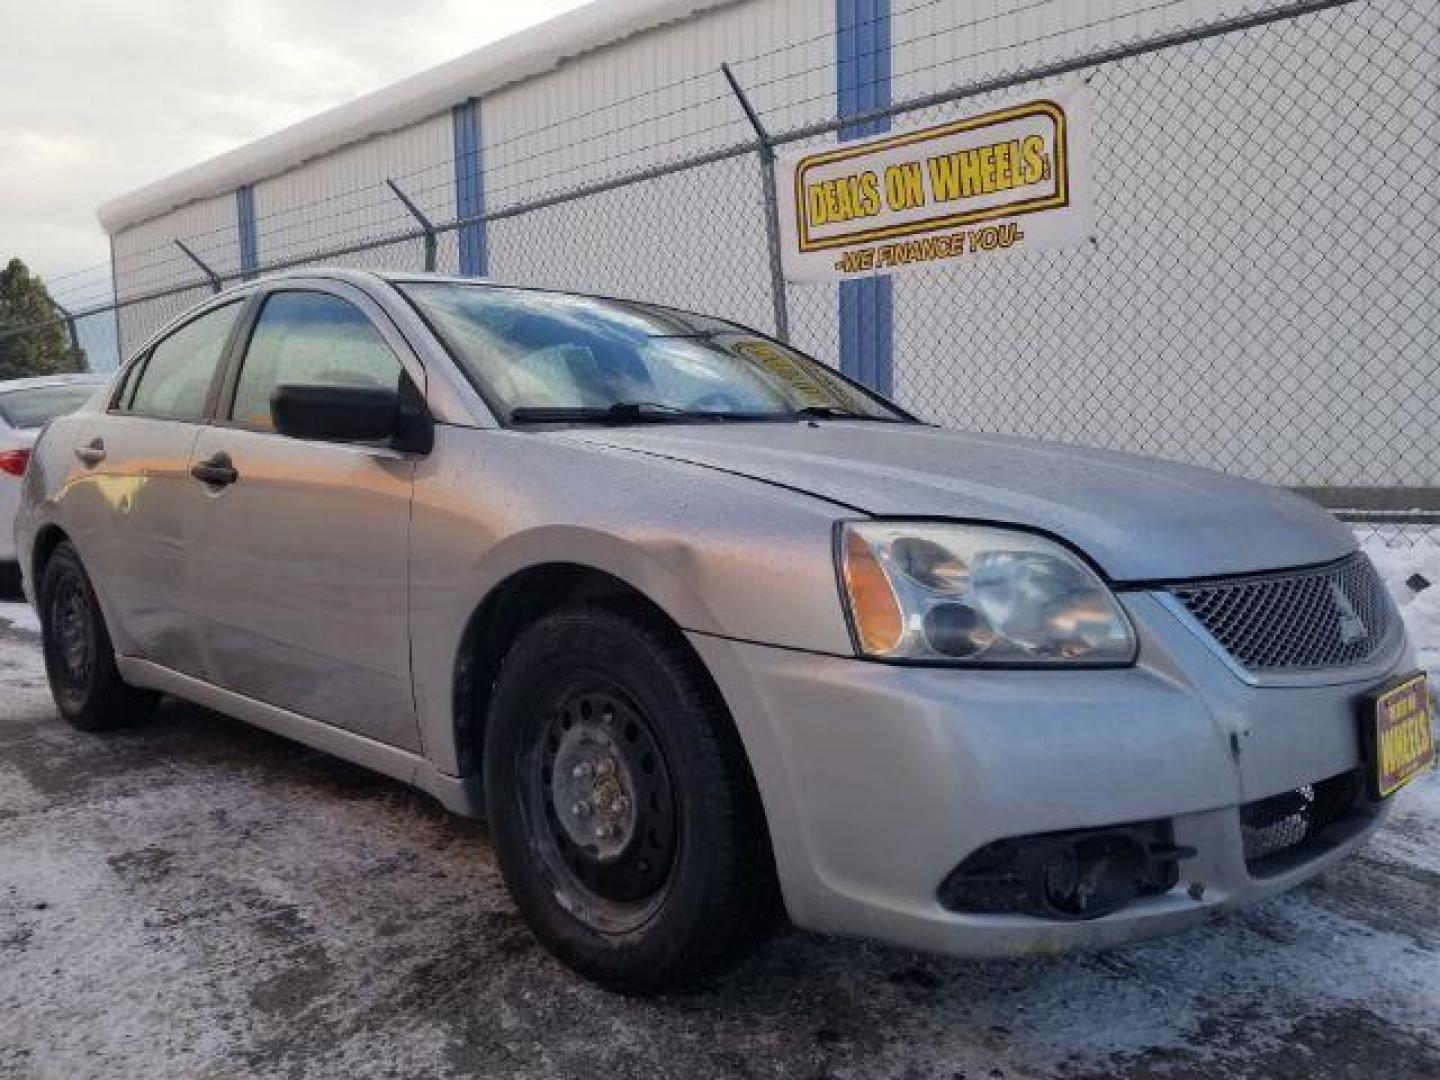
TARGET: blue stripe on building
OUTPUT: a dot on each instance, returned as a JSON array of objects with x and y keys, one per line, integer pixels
[
  {"x": 862, "y": 44},
  {"x": 249, "y": 237},
  {"x": 470, "y": 187}
]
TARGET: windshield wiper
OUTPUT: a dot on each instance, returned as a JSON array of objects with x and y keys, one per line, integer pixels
[
  {"x": 655, "y": 412},
  {"x": 622, "y": 412}
]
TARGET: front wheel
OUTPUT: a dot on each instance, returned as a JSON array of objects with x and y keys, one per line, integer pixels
[
  {"x": 79, "y": 658},
  {"x": 625, "y": 818}
]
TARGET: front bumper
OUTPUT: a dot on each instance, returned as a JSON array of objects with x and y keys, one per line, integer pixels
[{"x": 879, "y": 780}]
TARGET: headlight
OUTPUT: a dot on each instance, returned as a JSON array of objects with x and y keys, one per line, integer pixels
[{"x": 976, "y": 594}]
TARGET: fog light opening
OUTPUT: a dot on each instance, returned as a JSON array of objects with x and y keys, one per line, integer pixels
[
  {"x": 1085, "y": 874},
  {"x": 1094, "y": 877}
]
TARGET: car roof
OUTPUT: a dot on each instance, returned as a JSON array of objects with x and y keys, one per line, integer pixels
[
  {"x": 35, "y": 381},
  {"x": 402, "y": 277},
  {"x": 350, "y": 273}
]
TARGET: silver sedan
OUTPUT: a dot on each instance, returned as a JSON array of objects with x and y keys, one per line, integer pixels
[{"x": 712, "y": 635}]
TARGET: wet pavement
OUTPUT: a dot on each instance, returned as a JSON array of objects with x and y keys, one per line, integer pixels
[{"x": 196, "y": 898}]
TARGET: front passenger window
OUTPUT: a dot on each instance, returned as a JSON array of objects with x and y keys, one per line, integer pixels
[
  {"x": 176, "y": 377},
  {"x": 310, "y": 339}
]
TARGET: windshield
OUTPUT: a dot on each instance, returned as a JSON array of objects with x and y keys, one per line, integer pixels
[
  {"x": 39, "y": 405},
  {"x": 551, "y": 357}
]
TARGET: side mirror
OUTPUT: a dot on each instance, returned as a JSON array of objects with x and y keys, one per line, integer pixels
[{"x": 336, "y": 413}]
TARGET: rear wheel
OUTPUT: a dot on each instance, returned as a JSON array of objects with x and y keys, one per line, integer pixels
[
  {"x": 625, "y": 819},
  {"x": 79, "y": 658}
]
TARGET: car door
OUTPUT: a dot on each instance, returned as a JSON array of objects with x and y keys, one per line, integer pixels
[
  {"x": 300, "y": 564},
  {"x": 128, "y": 499}
]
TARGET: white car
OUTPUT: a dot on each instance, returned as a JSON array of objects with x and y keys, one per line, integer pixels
[{"x": 26, "y": 406}]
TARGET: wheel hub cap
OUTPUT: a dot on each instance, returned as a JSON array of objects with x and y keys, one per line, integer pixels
[
  {"x": 593, "y": 791},
  {"x": 602, "y": 813}
]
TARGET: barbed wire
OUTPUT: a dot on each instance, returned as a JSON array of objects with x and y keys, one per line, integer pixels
[
  {"x": 266, "y": 222},
  {"x": 185, "y": 275},
  {"x": 589, "y": 232}
]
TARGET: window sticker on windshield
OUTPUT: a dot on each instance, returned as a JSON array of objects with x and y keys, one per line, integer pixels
[{"x": 813, "y": 387}]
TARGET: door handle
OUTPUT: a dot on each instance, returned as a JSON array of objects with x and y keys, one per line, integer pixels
[
  {"x": 92, "y": 453},
  {"x": 217, "y": 472}
]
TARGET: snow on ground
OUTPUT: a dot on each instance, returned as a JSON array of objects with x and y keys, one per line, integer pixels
[
  {"x": 198, "y": 898},
  {"x": 1402, "y": 554},
  {"x": 19, "y": 615}
]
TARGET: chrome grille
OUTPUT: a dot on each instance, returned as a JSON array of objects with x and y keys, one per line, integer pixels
[{"x": 1328, "y": 617}]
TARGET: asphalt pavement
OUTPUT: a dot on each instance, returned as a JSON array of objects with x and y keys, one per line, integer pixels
[{"x": 197, "y": 898}]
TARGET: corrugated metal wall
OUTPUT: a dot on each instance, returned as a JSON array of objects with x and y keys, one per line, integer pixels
[
  {"x": 1187, "y": 306},
  {"x": 655, "y": 97},
  {"x": 706, "y": 252},
  {"x": 341, "y": 198},
  {"x": 658, "y": 96},
  {"x": 1218, "y": 317},
  {"x": 147, "y": 260},
  {"x": 943, "y": 45}
]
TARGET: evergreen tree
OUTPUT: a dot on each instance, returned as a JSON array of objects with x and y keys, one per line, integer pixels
[{"x": 33, "y": 336}]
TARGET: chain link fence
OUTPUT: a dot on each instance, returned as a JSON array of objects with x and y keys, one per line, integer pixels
[{"x": 1261, "y": 293}]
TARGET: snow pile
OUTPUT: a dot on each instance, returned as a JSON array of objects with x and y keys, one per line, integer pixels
[
  {"x": 1405, "y": 558},
  {"x": 19, "y": 616}
]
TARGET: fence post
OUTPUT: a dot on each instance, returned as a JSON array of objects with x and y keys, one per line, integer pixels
[
  {"x": 214, "y": 278},
  {"x": 424, "y": 221},
  {"x": 766, "y": 151},
  {"x": 70, "y": 328}
]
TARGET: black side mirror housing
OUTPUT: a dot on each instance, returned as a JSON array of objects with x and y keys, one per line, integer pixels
[{"x": 336, "y": 413}]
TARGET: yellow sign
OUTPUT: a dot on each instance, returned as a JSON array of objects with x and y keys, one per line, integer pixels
[
  {"x": 1006, "y": 178},
  {"x": 1404, "y": 739},
  {"x": 813, "y": 385}
]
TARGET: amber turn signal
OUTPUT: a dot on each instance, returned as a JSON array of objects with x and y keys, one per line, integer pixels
[{"x": 873, "y": 605}]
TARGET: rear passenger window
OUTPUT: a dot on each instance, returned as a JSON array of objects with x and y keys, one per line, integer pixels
[
  {"x": 310, "y": 339},
  {"x": 177, "y": 375}
]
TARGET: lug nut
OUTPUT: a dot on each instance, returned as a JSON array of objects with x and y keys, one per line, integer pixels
[
  {"x": 581, "y": 771},
  {"x": 603, "y": 832},
  {"x": 581, "y": 809},
  {"x": 605, "y": 767},
  {"x": 620, "y": 805}
]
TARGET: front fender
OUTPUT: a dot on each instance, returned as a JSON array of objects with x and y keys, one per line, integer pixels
[
  {"x": 719, "y": 554},
  {"x": 655, "y": 573}
]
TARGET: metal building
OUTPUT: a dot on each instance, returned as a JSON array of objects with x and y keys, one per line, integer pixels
[
  {"x": 1266, "y": 207},
  {"x": 612, "y": 87}
]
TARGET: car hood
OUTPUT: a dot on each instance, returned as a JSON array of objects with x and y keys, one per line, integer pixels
[{"x": 1140, "y": 519}]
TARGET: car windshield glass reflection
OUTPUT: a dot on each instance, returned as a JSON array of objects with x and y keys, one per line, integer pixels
[{"x": 552, "y": 358}]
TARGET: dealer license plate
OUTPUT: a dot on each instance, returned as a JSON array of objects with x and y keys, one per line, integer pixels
[{"x": 1399, "y": 737}]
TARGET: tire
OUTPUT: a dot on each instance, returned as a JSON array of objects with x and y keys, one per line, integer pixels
[
  {"x": 665, "y": 875},
  {"x": 79, "y": 658}
]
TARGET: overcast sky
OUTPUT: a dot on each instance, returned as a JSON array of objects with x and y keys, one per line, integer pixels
[{"x": 98, "y": 97}]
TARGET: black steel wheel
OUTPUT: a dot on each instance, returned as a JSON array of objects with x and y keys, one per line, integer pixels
[
  {"x": 625, "y": 818},
  {"x": 599, "y": 808},
  {"x": 79, "y": 657}
]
